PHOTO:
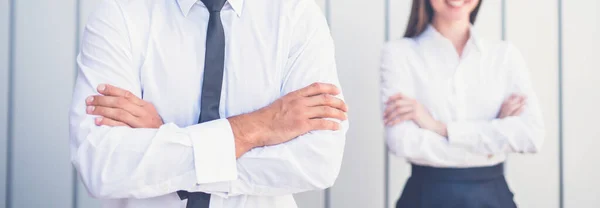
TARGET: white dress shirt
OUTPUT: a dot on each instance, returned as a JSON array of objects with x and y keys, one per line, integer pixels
[
  {"x": 155, "y": 49},
  {"x": 466, "y": 93}
]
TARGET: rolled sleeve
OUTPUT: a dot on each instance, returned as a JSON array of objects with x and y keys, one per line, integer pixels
[{"x": 213, "y": 140}]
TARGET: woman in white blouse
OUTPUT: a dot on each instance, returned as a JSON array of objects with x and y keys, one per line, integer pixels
[{"x": 455, "y": 106}]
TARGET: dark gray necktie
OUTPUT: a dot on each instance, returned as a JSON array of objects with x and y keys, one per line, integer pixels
[{"x": 214, "y": 64}]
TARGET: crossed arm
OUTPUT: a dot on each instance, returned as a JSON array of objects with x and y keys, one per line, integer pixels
[
  {"x": 121, "y": 148},
  {"x": 413, "y": 133}
]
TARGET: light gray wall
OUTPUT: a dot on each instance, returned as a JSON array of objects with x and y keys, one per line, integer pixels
[
  {"x": 4, "y": 74},
  {"x": 581, "y": 70},
  {"x": 489, "y": 20},
  {"x": 43, "y": 80},
  {"x": 358, "y": 30},
  {"x": 534, "y": 178}
]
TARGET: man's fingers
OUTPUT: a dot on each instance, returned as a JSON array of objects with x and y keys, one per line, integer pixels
[
  {"x": 109, "y": 90},
  {"x": 116, "y": 114},
  {"x": 323, "y": 124},
  {"x": 115, "y": 102},
  {"x": 326, "y": 112},
  {"x": 100, "y": 121},
  {"x": 327, "y": 100},
  {"x": 318, "y": 88}
]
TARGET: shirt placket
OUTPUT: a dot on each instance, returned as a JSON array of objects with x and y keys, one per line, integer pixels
[
  {"x": 458, "y": 91},
  {"x": 460, "y": 83}
]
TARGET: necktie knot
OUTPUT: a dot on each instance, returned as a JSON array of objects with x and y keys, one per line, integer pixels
[{"x": 214, "y": 5}]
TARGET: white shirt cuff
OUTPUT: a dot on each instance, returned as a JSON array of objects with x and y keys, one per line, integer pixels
[
  {"x": 221, "y": 189},
  {"x": 214, "y": 151}
]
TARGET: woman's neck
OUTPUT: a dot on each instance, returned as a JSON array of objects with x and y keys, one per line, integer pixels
[{"x": 456, "y": 31}]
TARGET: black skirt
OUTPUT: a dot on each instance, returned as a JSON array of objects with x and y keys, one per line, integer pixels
[{"x": 482, "y": 187}]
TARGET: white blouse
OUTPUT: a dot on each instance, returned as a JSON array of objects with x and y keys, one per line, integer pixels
[{"x": 465, "y": 92}]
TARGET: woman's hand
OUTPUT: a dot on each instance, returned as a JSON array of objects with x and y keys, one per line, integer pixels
[
  {"x": 400, "y": 108},
  {"x": 119, "y": 107},
  {"x": 513, "y": 106}
]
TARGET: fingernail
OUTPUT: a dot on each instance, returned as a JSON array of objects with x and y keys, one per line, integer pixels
[
  {"x": 101, "y": 87},
  {"x": 89, "y": 99},
  {"x": 98, "y": 120},
  {"x": 90, "y": 109}
]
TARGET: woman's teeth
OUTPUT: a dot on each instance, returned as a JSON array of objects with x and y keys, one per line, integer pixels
[{"x": 455, "y": 3}]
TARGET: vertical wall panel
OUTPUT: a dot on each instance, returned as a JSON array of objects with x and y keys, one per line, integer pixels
[
  {"x": 4, "y": 58},
  {"x": 358, "y": 31},
  {"x": 44, "y": 71},
  {"x": 398, "y": 168},
  {"x": 312, "y": 199},
  {"x": 581, "y": 70},
  {"x": 489, "y": 20},
  {"x": 488, "y": 25},
  {"x": 534, "y": 178},
  {"x": 399, "y": 12}
]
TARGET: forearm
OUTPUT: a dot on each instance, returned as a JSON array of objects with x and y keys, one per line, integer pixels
[
  {"x": 248, "y": 130},
  {"x": 412, "y": 142},
  {"x": 303, "y": 150},
  {"x": 438, "y": 127},
  {"x": 511, "y": 134},
  {"x": 309, "y": 162},
  {"x": 120, "y": 162}
]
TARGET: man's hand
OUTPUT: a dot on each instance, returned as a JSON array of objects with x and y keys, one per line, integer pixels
[
  {"x": 290, "y": 116},
  {"x": 118, "y": 107},
  {"x": 513, "y": 106},
  {"x": 402, "y": 108}
]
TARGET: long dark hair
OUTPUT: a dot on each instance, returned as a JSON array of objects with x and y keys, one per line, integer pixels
[{"x": 421, "y": 15}]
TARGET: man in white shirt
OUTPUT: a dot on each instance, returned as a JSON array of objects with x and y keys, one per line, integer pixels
[{"x": 186, "y": 103}]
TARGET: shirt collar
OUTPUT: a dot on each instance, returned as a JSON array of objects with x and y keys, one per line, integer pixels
[
  {"x": 186, "y": 6},
  {"x": 432, "y": 33}
]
